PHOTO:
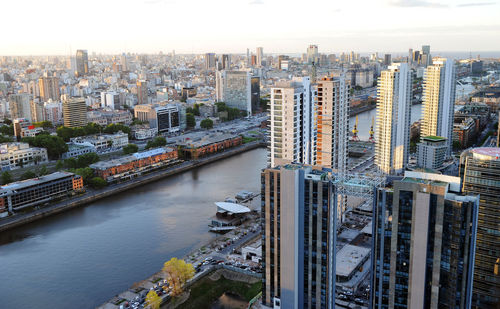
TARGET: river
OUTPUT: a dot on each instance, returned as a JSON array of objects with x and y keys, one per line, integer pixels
[
  {"x": 365, "y": 120},
  {"x": 85, "y": 256}
]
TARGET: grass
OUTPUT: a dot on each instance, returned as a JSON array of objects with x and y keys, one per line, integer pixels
[
  {"x": 249, "y": 139},
  {"x": 205, "y": 292}
]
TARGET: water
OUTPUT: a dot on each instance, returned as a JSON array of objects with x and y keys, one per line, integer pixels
[
  {"x": 365, "y": 120},
  {"x": 85, "y": 256}
]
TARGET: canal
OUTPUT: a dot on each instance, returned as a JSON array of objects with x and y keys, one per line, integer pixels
[
  {"x": 85, "y": 256},
  {"x": 365, "y": 120}
]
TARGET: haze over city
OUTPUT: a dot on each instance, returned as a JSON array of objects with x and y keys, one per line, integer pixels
[{"x": 197, "y": 26}]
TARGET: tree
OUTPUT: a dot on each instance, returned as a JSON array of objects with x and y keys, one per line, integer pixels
[
  {"x": 178, "y": 272},
  {"x": 7, "y": 121},
  {"x": 86, "y": 172},
  {"x": 28, "y": 175},
  {"x": 43, "y": 170},
  {"x": 207, "y": 123},
  {"x": 130, "y": 148},
  {"x": 6, "y": 178},
  {"x": 7, "y": 130},
  {"x": 71, "y": 163},
  {"x": 157, "y": 142},
  {"x": 116, "y": 127},
  {"x": 59, "y": 164},
  {"x": 43, "y": 124},
  {"x": 86, "y": 159},
  {"x": 190, "y": 120},
  {"x": 55, "y": 145},
  {"x": 5, "y": 139},
  {"x": 153, "y": 300},
  {"x": 97, "y": 183},
  {"x": 65, "y": 133}
]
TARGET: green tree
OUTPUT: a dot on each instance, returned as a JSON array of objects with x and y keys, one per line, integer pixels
[
  {"x": 6, "y": 178},
  {"x": 207, "y": 123},
  {"x": 7, "y": 121},
  {"x": 97, "y": 183},
  {"x": 43, "y": 170},
  {"x": 116, "y": 127},
  {"x": 86, "y": 172},
  {"x": 71, "y": 163},
  {"x": 65, "y": 133},
  {"x": 44, "y": 124},
  {"x": 59, "y": 164},
  {"x": 130, "y": 148},
  {"x": 190, "y": 120},
  {"x": 6, "y": 139},
  {"x": 153, "y": 300},
  {"x": 7, "y": 130},
  {"x": 86, "y": 159},
  {"x": 156, "y": 142},
  {"x": 178, "y": 272},
  {"x": 28, "y": 175},
  {"x": 55, "y": 145}
]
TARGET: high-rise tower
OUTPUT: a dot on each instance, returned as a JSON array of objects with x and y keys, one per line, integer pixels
[
  {"x": 292, "y": 133},
  {"x": 424, "y": 232},
  {"x": 393, "y": 119},
  {"x": 439, "y": 101},
  {"x": 480, "y": 174},
  {"x": 82, "y": 62}
]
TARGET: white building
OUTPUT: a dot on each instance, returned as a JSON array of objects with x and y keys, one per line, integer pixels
[
  {"x": 431, "y": 152},
  {"x": 102, "y": 142},
  {"x": 235, "y": 89},
  {"x": 260, "y": 56},
  {"x": 292, "y": 117},
  {"x": 110, "y": 100},
  {"x": 439, "y": 101},
  {"x": 392, "y": 140},
  {"x": 16, "y": 155}
]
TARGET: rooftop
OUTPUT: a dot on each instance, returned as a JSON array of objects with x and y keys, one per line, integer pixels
[
  {"x": 486, "y": 153},
  {"x": 232, "y": 208},
  {"x": 432, "y": 138},
  {"x": 34, "y": 181},
  {"x": 349, "y": 258}
]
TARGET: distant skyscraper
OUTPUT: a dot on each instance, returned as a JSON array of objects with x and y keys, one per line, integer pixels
[
  {"x": 439, "y": 101},
  {"x": 292, "y": 133},
  {"x": 142, "y": 92},
  {"x": 298, "y": 237},
  {"x": 49, "y": 88},
  {"x": 82, "y": 62},
  {"x": 124, "y": 62},
  {"x": 424, "y": 232},
  {"x": 312, "y": 54},
  {"x": 410, "y": 56},
  {"x": 210, "y": 61},
  {"x": 255, "y": 86},
  {"x": 480, "y": 174},
  {"x": 260, "y": 56},
  {"x": 226, "y": 61},
  {"x": 387, "y": 59},
  {"x": 392, "y": 142},
  {"x": 425, "y": 57},
  {"x": 74, "y": 112},
  {"x": 234, "y": 88},
  {"x": 20, "y": 106}
]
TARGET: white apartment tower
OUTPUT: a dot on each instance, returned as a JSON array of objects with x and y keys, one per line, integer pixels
[
  {"x": 260, "y": 56},
  {"x": 393, "y": 119},
  {"x": 292, "y": 120},
  {"x": 439, "y": 100}
]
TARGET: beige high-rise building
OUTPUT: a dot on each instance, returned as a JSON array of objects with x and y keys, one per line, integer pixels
[
  {"x": 74, "y": 112},
  {"x": 292, "y": 133},
  {"x": 49, "y": 88},
  {"x": 439, "y": 100},
  {"x": 332, "y": 123},
  {"x": 393, "y": 119},
  {"x": 142, "y": 92}
]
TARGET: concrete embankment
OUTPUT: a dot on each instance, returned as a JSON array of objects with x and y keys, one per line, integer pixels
[{"x": 94, "y": 195}]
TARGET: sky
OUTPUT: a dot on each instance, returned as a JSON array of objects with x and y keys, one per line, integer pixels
[{"x": 58, "y": 27}]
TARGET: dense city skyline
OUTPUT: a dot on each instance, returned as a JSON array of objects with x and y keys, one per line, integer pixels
[{"x": 148, "y": 26}]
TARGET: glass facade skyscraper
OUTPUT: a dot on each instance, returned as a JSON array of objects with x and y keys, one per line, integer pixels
[
  {"x": 480, "y": 174},
  {"x": 423, "y": 243}
]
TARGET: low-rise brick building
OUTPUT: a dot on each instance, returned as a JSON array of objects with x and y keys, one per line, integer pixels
[
  {"x": 208, "y": 145},
  {"x": 136, "y": 163}
]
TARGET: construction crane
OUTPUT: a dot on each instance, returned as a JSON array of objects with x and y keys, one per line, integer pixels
[
  {"x": 355, "y": 131},
  {"x": 372, "y": 138}
]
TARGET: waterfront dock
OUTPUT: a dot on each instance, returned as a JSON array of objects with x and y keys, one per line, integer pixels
[{"x": 94, "y": 195}]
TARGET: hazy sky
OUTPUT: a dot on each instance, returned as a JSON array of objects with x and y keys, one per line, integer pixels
[{"x": 113, "y": 26}]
